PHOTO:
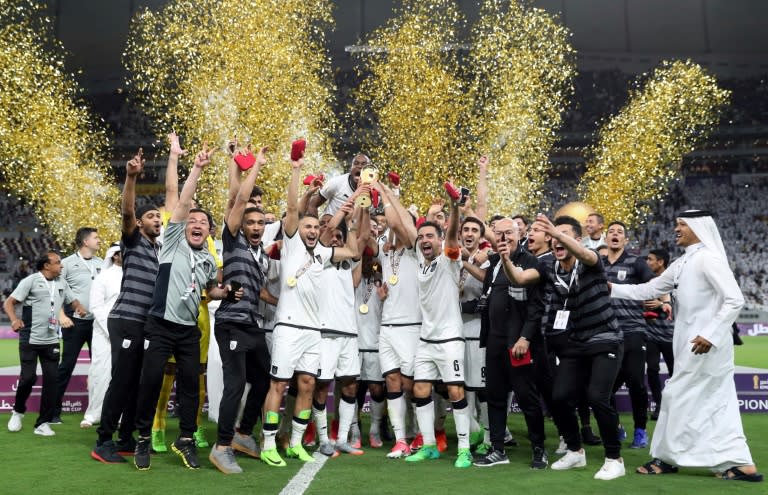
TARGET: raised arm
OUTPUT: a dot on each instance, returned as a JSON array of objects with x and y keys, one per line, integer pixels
[
  {"x": 452, "y": 233},
  {"x": 132, "y": 171},
  {"x": 233, "y": 177},
  {"x": 315, "y": 202},
  {"x": 310, "y": 193},
  {"x": 507, "y": 247},
  {"x": 583, "y": 254},
  {"x": 291, "y": 221},
  {"x": 235, "y": 215},
  {"x": 349, "y": 251},
  {"x": 398, "y": 218},
  {"x": 172, "y": 172},
  {"x": 181, "y": 211}
]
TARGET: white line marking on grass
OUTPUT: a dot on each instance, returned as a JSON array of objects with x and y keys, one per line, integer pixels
[{"x": 300, "y": 482}]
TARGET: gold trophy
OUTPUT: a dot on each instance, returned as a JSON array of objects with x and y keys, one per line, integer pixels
[{"x": 367, "y": 176}]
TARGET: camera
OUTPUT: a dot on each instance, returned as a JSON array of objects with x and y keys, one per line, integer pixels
[{"x": 482, "y": 304}]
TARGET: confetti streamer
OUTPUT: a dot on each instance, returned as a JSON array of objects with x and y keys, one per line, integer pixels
[
  {"x": 639, "y": 150},
  {"x": 49, "y": 143},
  {"x": 255, "y": 69},
  {"x": 522, "y": 66}
]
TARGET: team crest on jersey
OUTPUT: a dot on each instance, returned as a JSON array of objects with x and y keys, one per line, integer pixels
[
  {"x": 274, "y": 370},
  {"x": 232, "y": 345},
  {"x": 622, "y": 275},
  {"x": 345, "y": 265}
]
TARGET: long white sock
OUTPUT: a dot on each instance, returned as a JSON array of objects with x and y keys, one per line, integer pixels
[
  {"x": 461, "y": 418},
  {"x": 471, "y": 401},
  {"x": 347, "y": 412},
  {"x": 396, "y": 407},
  {"x": 425, "y": 415},
  {"x": 321, "y": 423},
  {"x": 377, "y": 412},
  {"x": 297, "y": 432}
]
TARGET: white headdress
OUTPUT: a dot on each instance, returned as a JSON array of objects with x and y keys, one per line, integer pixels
[{"x": 703, "y": 225}]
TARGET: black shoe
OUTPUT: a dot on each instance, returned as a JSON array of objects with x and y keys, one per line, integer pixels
[
  {"x": 187, "y": 450},
  {"x": 655, "y": 414},
  {"x": 588, "y": 437},
  {"x": 141, "y": 455},
  {"x": 125, "y": 447},
  {"x": 107, "y": 453},
  {"x": 56, "y": 420},
  {"x": 492, "y": 458},
  {"x": 539, "y": 460}
]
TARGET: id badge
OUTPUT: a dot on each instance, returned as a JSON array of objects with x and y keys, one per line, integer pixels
[
  {"x": 561, "y": 320},
  {"x": 53, "y": 323}
]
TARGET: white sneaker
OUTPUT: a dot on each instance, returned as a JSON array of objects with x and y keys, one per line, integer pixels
[
  {"x": 570, "y": 460},
  {"x": 44, "y": 430},
  {"x": 85, "y": 424},
  {"x": 612, "y": 469},
  {"x": 562, "y": 448},
  {"x": 14, "y": 424}
]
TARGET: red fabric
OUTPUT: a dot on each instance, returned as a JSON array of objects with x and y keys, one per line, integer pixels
[{"x": 453, "y": 253}]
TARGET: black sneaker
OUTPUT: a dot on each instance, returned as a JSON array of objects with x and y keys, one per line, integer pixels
[
  {"x": 56, "y": 420},
  {"x": 126, "y": 447},
  {"x": 187, "y": 450},
  {"x": 540, "y": 460},
  {"x": 107, "y": 453},
  {"x": 141, "y": 456},
  {"x": 492, "y": 458},
  {"x": 588, "y": 437}
]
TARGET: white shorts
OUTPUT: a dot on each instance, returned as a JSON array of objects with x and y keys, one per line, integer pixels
[
  {"x": 339, "y": 358},
  {"x": 474, "y": 364},
  {"x": 370, "y": 367},
  {"x": 443, "y": 362},
  {"x": 397, "y": 349},
  {"x": 294, "y": 350}
]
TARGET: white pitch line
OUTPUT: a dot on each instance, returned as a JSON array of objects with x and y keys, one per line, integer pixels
[{"x": 301, "y": 480}]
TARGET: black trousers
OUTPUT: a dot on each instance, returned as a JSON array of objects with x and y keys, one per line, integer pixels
[
  {"x": 632, "y": 372},
  {"x": 500, "y": 378},
  {"x": 73, "y": 339},
  {"x": 244, "y": 358},
  {"x": 653, "y": 352},
  {"x": 127, "y": 340},
  {"x": 544, "y": 369},
  {"x": 48, "y": 355},
  {"x": 164, "y": 338},
  {"x": 597, "y": 372}
]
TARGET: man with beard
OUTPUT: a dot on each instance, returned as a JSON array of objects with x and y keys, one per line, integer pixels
[
  {"x": 440, "y": 352},
  {"x": 296, "y": 337},
  {"x": 241, "y": 342},
  {"x": 699, "y": 424},
  {"x": 141, "y": 228}
]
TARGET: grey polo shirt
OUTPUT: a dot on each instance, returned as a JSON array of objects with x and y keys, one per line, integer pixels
[
  {"x": 79, "y": 273},
  {"x": 41, "y": 300}
]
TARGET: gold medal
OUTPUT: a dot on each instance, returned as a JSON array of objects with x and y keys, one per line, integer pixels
[
  {"x": 393, "y": 280},
  {"x": 292, "y": 281},
  {"x": 364, "y": 308}
]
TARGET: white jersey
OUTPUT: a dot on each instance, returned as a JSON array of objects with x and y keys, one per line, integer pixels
[
  {"x": 439, "y": 298},
  {"x": 368, "y": 323},
  {"x": 270, "y": 233},
  {"x": 401, "y": 306},
  {"x": 268, "y": 311},
  {"x": 299, "y": 306},
  {"x": 471, "y": 288},
  {"x": 336, "y": 192},
  {"x": 337, "y": 296}
]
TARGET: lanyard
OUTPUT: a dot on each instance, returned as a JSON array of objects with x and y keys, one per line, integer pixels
[
  {"x": 51, "y": 290},
  {"x": 368, "y": 290},
  {"x": 193, "y": 262},
  {"x": 258, "y": 258},
  {"x": 394, "y": 260},
  {"x": 496, "y": 270},
  {"x": 88, "y": 265},
  {"x": 301, "y": 271},
  {"x": 561, "y": 282}
]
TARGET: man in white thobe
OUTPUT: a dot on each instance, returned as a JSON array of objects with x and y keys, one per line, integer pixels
[{"x": 699, "y": 424}]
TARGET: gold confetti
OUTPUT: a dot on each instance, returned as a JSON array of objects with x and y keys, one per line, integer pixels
[
  {"x": 49, "y": 143},
  {"x": 523, "y": 67},
  {"x": 418, "y": 101},
  {"x": 255, "y": 69},
  {"x": 639, "y": 150}
]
